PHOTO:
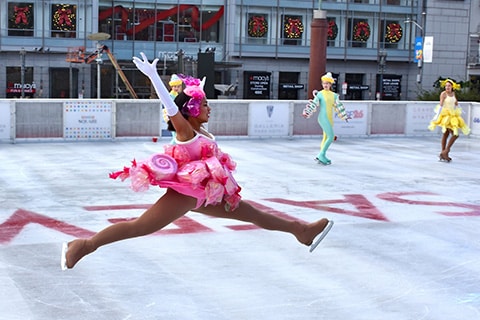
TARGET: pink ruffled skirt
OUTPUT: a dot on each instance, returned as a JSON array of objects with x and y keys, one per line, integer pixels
[{"x": 208, "y": 179}]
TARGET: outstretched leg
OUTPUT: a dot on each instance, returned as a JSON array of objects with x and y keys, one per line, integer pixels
[
  {"x": 171, "y": 206},
  {"x": 304, "y": 232}
]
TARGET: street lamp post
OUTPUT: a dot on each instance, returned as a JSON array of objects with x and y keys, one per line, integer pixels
[
  {"x": 419, "y": 49},
  {"x": 101, "y": 36},
  {"x": 382, "y": 63},
  {"x": 99, "y": 72}
]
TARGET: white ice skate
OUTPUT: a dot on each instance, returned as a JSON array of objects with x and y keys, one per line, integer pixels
[
  {"x": 321, "y": 236},
  {"x": 63, "y": 258}
]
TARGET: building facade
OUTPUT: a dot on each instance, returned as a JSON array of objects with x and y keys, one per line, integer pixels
[{"x": 376, "y": 49}]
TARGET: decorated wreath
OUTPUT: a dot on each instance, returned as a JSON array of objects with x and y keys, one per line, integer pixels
[
  {"x": 22, "y": 17},
  {"x": 394, "y": 32},
  {"x": 257, "y": 26},
  {"x": 332, "y": 30},
  {"x": 293, "y": 28},
  {"x": 64, "y": 17},
  {"x": 361, "y": 31}
]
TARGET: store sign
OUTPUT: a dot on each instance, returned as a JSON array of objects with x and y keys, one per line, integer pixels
[
  {"x": 29, "y": 88},
  {"x": 392, "y": 87},
  {"x": 291, "y": 86},
  {"x": 358, "y": 87},
  {"x": 257, "y": 85}
]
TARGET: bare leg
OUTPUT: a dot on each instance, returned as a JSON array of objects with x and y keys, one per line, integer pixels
[
  {"x": 452, "y": 140},
  {"x": 444, "y": 153},
  {"x": 444, "y": 140},
  {"x": 304, "y": 232},
  {"x": 168, "y": 208}
]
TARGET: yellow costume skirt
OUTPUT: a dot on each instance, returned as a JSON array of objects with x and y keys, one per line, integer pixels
[{"x": 449, "y": 119}]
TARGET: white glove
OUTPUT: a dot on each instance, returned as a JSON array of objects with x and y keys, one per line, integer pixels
[{"x": 150, "y": 70}]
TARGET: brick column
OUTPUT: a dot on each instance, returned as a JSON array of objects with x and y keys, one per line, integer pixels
[{"x": 318, "y": 51}]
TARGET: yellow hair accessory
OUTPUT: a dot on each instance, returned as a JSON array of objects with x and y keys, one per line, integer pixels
[
  {"x": 455, "y": 86},
  {"x": 328, "y": 78}
]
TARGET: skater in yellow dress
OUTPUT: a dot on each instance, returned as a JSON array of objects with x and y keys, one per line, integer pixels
[{"x": 449, "y": 117}]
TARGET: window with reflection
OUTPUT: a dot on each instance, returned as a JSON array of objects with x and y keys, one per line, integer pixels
[
  {"x": 21, "y": 19},
  {"x": 160, "y": 22}
]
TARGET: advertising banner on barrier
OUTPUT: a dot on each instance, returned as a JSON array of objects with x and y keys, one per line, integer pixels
[
  {"x": 87, "y": 119},
  {"x": 5, "y": 120},
  {"x": 475, "y": 124},
  {"x": 268, "y": 118},
  {"x": 357, "y": 124},
  {"x": 418, "y": 118}
]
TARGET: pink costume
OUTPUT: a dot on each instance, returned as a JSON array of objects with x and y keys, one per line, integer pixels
[{"x": 196, "y": 168}]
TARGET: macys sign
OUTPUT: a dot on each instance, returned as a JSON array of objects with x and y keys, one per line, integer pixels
[{"x": 17, "y": 87}]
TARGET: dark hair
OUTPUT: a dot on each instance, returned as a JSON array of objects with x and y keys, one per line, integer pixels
[{"x": 180, "y": 100}]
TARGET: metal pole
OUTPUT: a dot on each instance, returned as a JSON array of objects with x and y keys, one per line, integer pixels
[
  {"x": 22, "y": 72},
  {"x": 382, "y": 63},
  {"x": 99, "y": 89},
  {"x": 70, "y": 80},
  {"x": 99, "y": 80}
]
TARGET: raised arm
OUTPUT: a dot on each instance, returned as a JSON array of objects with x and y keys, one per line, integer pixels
[{"x": 182, "y": 127}]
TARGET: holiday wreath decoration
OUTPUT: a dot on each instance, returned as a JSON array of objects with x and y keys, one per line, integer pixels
[
  {"x": 394, "y": 32},
  {"x": 293, "y": 28},
  {"x": 22, "y": 17},
  {"x": 64, "y": 18},
  {"x": 332, "y": 30},
  {"x": 257, "y": 26},
  {"x": 361, "y": 31}
]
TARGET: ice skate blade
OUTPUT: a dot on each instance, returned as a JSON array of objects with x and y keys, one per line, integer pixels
[
  {"x": 63, "y": 258},
  {"x": 323, "y": 163},
  {"x": 321, "y": 236}
]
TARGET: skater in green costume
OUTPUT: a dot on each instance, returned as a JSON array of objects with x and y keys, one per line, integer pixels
[{"x": 327, "y": 103}]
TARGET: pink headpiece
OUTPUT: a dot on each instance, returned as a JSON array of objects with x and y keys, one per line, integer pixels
[{"x": 194, "y": 89}]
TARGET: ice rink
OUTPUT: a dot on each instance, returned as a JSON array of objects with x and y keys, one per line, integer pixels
[{"x": 405, "y": 245}]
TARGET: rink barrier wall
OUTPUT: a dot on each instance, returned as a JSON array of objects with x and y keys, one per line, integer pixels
[{"x": 23, "y": 120}]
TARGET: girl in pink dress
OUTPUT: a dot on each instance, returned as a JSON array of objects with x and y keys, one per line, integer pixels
[{"x": 197, "y": 175}]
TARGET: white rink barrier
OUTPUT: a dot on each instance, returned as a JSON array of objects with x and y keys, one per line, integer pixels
[{"x": 109, "y": 119}]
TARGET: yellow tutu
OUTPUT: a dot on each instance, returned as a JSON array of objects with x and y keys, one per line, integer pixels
[{"x": 448, "y": 118}]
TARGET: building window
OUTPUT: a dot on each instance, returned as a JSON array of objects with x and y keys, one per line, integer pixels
[
  {"x": 20, "y": 19},
  {"x": 257, "y": 27},
  {"x": 64, "y": 20},
  {"x": 358, "y": 32},
  {"x": 292, "y": 29},
  {"x": 184, "y": 23},
  {"x": 332, "y": 32},
  {"x": 392, "y": 33},
  {"x": 15, "y": 84}
]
